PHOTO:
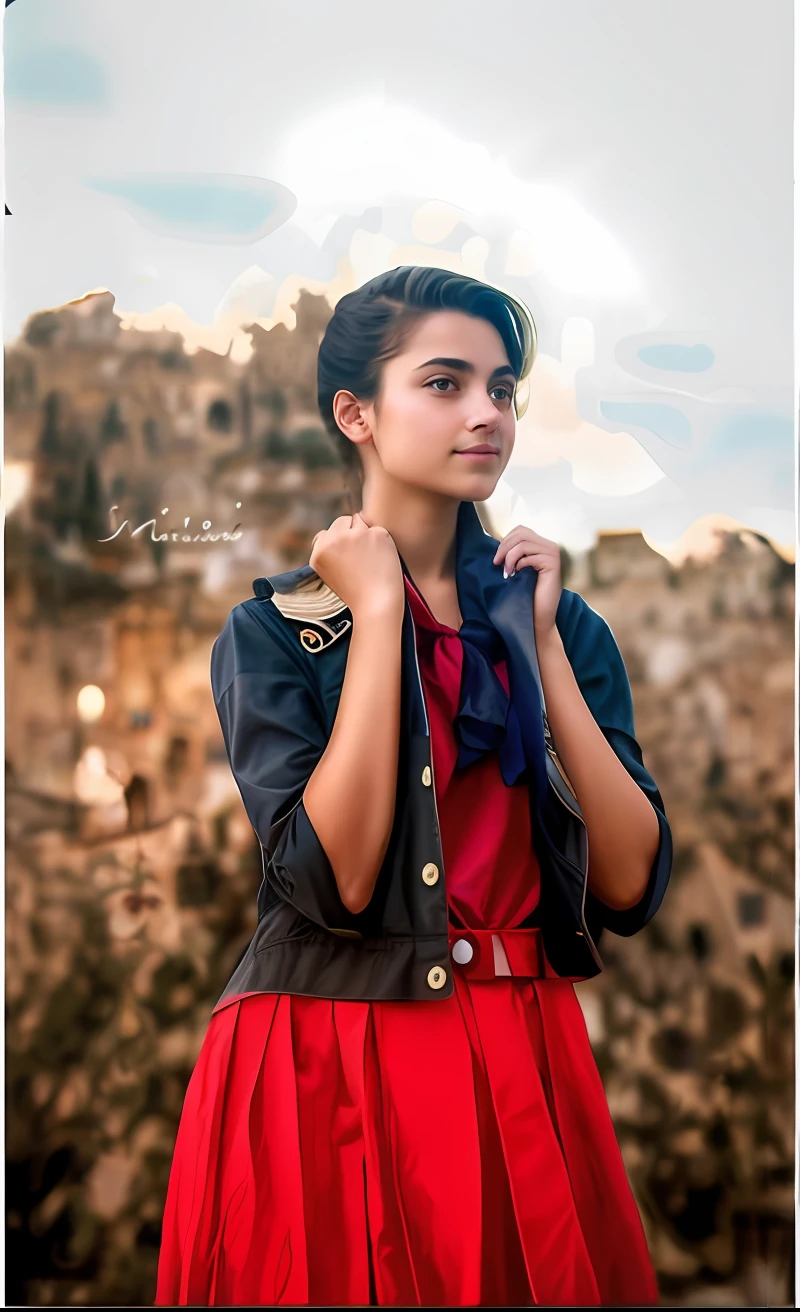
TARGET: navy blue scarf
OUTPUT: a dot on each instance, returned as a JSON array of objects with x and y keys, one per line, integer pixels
[{"x": 486, "y": 719}]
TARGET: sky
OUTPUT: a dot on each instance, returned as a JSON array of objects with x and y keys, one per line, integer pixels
[{"x": 626, "y": 170}]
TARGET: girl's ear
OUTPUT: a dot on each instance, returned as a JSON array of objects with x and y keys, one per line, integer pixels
[{"x": 350, "y": 416}]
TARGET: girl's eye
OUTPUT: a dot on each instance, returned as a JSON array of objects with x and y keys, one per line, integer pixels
[{"x": 506, "y": 391}]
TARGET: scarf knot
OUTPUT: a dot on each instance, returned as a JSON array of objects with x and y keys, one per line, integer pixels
[{"x": 486, "y": 720}]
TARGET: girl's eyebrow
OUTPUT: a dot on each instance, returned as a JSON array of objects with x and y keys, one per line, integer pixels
[{"x": 465, "y": 367}]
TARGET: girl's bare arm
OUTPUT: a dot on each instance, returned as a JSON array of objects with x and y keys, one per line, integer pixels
[
  {"x": 621, "y": 824},
  {"x": 350, "y": 797}
]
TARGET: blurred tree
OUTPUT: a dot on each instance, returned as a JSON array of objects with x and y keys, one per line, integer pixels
[
  {"x": 314, "y": 449},
  {"x": 150, "y": 435},
  {"x": 274, "y": 446},
  {"x": 91, "y": 516},
  {"x": 112, "y": 429}
]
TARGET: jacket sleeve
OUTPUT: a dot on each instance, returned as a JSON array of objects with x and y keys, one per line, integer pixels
[
  {"x": 603, "y": 680},
  {"x": 274, "y": 736}
]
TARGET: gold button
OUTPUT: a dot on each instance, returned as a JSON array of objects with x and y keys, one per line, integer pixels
[
  {"x": 430, "y": 873},
  {"x": 437, "y": 977},
  {"x": 426, "y": 776}
]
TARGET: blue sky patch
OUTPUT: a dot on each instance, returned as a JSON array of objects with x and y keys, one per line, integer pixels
[
  {"x": 202, "y": 207},
  {"x": 666, "y": 421},
  {"x": 55, "y": 75},
  {"x": 675, "y": 358}
]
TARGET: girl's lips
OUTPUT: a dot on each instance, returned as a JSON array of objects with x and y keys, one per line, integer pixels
[{"x": 479, "y": 455}]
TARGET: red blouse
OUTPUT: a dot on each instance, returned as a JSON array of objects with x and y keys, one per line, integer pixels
[{"x": 491, "y": 868}]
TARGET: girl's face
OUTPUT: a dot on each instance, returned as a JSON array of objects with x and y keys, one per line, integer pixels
[{"x": 450, "y": 388}]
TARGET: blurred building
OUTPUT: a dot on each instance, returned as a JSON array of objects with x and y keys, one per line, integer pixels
[{"x": 132, "y": 869}]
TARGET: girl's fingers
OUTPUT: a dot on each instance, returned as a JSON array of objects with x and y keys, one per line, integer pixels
[
  {"x": 511, "y": 538},
  {"x": 513, "y": 555},
  {"x": 515, "y": 537},
  {"x": 537, "y": 561},
  {"x": 529, "y": 554}
]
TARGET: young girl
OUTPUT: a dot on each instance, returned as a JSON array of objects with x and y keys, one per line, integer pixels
[{"x": 396, "y": 1102}]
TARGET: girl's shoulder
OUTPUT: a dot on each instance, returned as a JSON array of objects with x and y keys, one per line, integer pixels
[
  {"x": 290, "y": 618},
  {"x": 246, "y": 643}
]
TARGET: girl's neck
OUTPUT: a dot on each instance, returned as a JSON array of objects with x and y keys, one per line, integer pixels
[{"x": 423, "y": 526}]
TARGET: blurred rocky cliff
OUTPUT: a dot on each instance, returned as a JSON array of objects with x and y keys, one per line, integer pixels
[
  {"x": 692, "y": 1021},
  {"x": 132, "y": 869}
]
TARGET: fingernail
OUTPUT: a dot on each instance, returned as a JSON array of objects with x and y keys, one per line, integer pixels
[{"x": 505, "y": 575}]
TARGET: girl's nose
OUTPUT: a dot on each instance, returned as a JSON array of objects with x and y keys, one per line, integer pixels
[{"x": 486, "y": 417}]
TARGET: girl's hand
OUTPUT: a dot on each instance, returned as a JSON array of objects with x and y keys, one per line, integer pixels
[
  {"x": 523, "y": 547},
  {"x": 360, "y": 563}
]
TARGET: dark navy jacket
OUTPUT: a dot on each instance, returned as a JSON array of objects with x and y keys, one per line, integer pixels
[{"x": 277, "y": 670}]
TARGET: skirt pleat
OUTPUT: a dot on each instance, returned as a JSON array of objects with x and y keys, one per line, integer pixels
[
  {"x": 457, "y": 1153},
  {"x": 559, "y": 1271},
  {"x": 614, "y": 1234}
]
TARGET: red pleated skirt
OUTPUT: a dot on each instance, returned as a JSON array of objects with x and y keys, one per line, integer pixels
[{"x": 457, "y": 1153}]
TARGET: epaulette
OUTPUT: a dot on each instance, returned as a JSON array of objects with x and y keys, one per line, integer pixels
[{"x": 315, "y": 610}]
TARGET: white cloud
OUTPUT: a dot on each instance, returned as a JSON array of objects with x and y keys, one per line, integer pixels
[{"x": 369, "y": 150}]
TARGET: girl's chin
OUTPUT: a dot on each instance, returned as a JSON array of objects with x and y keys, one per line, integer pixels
[
  {"x": 472, "y": 486},
  {"x": 479, "y": 484}
]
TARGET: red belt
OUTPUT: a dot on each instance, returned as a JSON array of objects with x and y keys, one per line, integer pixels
[{"x": 523, "y": 948}]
